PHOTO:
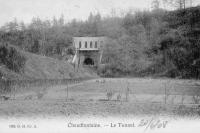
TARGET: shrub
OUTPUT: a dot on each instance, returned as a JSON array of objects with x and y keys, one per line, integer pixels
[
  {"x": 40, "y": 95},
  {"x": 119, "y": 97},
  {"x": 196, "y": 99},
  {"x": 109, "y": 95},
  {"x": 11, "y": 58}
]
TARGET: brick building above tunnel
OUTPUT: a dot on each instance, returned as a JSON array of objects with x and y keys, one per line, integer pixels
[
  {"x": 89, "y": 50},
  {"x": 88, "y": 43}
]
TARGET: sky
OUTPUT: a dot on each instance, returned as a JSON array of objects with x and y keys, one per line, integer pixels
[{"x": 25, "y": 10}]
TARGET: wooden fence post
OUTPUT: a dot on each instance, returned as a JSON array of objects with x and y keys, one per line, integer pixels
[
  {"x": 14, "y": 91},
  {"x": 165, "y": 93},
  {"x": 67, "y": 92},
  {"x": 127, "y": 92},
  {"x": 182, "y": 99}
]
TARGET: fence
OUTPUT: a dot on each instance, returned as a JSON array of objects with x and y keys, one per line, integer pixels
[
  {"x": 12, "y": 86},
  {"x": 165, "y": 90},
  {"x": 172, "y": 90}
]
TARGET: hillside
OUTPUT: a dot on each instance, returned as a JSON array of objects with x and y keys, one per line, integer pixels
[
  {"x": 41, "y": 67},
  {"x": 144, "y": 43}
]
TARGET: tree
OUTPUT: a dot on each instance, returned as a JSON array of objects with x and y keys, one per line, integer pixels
[
  {"x": 155, "y": 4},
  {"x": 12, "y": 26},
  {"x": 61, "y": 20},
  {"x": 22, "y": 26},
  {"x": 180, "y": 4}
]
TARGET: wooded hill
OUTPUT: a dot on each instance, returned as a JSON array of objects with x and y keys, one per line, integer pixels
[{"x": 143, "y": 43}]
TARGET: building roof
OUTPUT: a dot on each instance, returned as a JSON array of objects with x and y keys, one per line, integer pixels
[{"x": 89, "y": 38}]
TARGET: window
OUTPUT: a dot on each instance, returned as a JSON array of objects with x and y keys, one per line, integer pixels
[
  {"x": 85, "y": 44},
  {"x": 96, "y": 44},
  {"x": 80, "y": 44},
  {"x": 91, "y": 44}
]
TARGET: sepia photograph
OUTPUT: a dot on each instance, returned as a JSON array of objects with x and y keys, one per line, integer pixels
[{"x": 99, "y": 66}]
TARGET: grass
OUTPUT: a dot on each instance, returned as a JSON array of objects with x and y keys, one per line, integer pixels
[
  {"x": 43, "y": 67},
  {"x": 102, "y": 99}
]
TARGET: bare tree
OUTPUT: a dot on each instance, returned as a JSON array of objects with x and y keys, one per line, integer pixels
[
  {"x": 155, "y": 4},
  {"x": 180, "y": 4}
]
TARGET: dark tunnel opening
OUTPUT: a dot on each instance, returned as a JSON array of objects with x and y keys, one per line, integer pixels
[{"x": 88, "y": 61}]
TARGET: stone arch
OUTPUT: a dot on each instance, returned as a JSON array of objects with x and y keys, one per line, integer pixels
[{"x": 88, "y": 61}]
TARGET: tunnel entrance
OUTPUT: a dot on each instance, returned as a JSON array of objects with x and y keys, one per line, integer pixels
[{"x": 88, "y": 61}]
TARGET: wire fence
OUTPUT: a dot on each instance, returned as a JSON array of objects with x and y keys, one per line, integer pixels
[
  {"x": 13, "y": 86},
  {"x": 167, "y": 91}
]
